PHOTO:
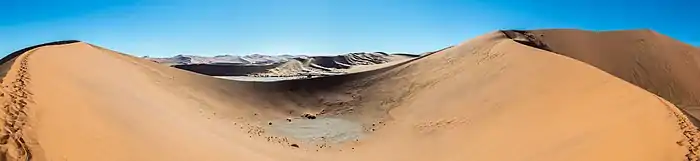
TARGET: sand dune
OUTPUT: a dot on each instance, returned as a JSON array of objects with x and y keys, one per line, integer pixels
[
  {"x": 489, "y": 98},
  {"x": 282, "y": 66},
  {"x": 655, "y": 62}
]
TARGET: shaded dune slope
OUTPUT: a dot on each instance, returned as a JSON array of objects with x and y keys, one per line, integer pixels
[
  {"x": 489, "y": 98},
  {"x": 655, "y": 62},
  {"x": 227, "y": 69}
]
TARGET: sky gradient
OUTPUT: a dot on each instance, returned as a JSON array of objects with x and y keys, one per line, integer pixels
[{"x": 318, "y": 27}]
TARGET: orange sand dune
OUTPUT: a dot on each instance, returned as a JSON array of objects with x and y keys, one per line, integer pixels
[
  {"x": 655, "y": 62},
  {"x": 489, "y": 98}
]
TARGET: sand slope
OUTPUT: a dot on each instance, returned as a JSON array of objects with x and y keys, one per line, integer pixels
[
  {"x": 486, "y": 99},
  {"x": 655, "y": 62}
]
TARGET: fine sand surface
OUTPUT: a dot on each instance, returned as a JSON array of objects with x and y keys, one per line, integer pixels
[
  {"x": 489, "y": 98},
  {"x": 655, "y": 62}
]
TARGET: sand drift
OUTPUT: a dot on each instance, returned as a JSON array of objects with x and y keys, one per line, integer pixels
[{"x": 500, "y": 96}]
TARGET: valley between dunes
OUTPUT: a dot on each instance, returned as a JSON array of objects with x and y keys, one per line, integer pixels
[{"x": 493, "y": 97}]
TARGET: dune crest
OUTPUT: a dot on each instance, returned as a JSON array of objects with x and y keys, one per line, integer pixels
[
  {"x": 655, "y": 62},
  {"x": 489, "y": 98}
]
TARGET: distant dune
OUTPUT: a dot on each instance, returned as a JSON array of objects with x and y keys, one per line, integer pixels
[
  {"x": 490, "y": 98},
  {"x": 278, "y": 66}
]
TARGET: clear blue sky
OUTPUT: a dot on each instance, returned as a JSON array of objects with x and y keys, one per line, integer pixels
[{"x": 170, "y": 27}]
